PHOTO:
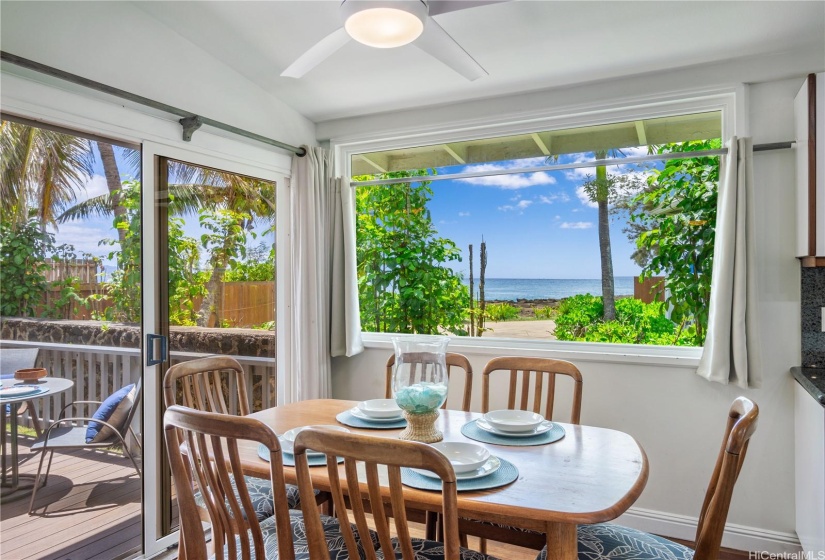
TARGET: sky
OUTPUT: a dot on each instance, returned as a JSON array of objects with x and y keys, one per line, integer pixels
[{"x": 536, "y": 225}]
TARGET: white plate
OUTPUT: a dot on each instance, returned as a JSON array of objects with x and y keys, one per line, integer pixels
[
  {"x": 465, "y": 457},
  {"x": 488, "y": 468},
  {"x": 544, "y": 427},
  {"x": 289, "y": 437},
  {"x": 380, "y": 408},
  {"x": 516, "y": 421},
  {"x": 18, "y": 391},
  {"x": 361, "y": 416}
]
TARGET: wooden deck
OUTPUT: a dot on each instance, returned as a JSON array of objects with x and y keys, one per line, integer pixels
[{"x": 90, "y": 509}]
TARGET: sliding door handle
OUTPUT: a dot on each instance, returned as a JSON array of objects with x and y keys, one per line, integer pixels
[{"x": 150, "y": 349}]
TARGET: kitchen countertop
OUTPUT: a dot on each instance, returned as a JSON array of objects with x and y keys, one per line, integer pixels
[{"x": 813, "y": 380}]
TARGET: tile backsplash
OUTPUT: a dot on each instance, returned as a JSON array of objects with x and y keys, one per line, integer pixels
[{"x": 813, "y": 300}]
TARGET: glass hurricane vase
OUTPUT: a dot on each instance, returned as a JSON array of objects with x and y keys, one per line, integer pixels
[{"x": 420, "y": 383}]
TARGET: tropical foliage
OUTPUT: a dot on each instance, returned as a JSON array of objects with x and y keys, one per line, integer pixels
[
  {"x": 675, "y": 219},
  {"x": 24, "y": 248},
  {"x": 404, "y": 283},
  {"x": 580, "y": 318},
  {"x": 41, "y": 172}
]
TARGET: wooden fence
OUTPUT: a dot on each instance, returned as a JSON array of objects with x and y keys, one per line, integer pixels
[
  {"x": 243, "y": 305},
  {"x": 85, "y": 270},
  {"x": 649, "y": 290}
]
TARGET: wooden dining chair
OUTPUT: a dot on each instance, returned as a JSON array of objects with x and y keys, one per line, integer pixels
[
  {"x": 218, "y": 384},
  {"x": 371, "y": 463},
  {"x": 606, "y": 540},
  {"x": 538, "y": 375},
  {"x": 204, "y": 451},
  {"x": 211, "y": 456},
  {"x": 533, "y": 372},
  {"x": 453, "y": 360}
]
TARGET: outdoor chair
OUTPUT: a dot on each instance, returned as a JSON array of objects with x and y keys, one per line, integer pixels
[
  {"x": 203, "y": 452},
  {"x": 12, "y": 359},
  {"x": 538, "y": 375},
  {"x": 102, "y": 430},
  {"x": 374, "y": 454},
  {"x": 605, "y": 540}
]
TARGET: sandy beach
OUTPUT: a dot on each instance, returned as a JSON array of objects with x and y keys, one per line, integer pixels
[{"x": 539, "y": 329}]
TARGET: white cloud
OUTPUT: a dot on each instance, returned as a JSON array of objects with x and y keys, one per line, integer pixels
[
  {"x": 557, "y": 217},
  {"x": 522, "y": 205},
  {"x": 510, "y": 182},
  {"x": 585, "y": 198},
  {"x": 95, "y": 186},
  {"x": 463, "y": 214},
  {"x": 576, "y": 225},
  {"x": 545, "y": 199},
  {"x": 84, "y": 237}
]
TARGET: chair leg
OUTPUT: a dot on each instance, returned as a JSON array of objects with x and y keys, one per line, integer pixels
[
  {"x": 482, "y": 545},
  {"x": 37, "y": 479},
  {"x": 35, "y": 418},
  {"x": 134, "y": 463},
  {"x": 48, "y": 467}
]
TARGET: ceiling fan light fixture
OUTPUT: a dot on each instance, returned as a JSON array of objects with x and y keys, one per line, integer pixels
[{"x": 384, "y": 24}]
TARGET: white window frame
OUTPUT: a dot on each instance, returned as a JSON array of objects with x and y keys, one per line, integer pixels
[{"x": 730, "y": 101}]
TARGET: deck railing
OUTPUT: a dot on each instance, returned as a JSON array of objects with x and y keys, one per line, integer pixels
[{"x": 98, "y": 371}]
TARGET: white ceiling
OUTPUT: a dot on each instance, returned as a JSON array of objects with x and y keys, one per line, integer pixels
[{"x": 524, "y": 45}]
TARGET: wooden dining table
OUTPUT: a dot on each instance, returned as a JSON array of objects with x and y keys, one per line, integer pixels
[{"x": 591, "y": 475}]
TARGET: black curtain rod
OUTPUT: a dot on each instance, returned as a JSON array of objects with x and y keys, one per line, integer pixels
[{"x": 189, "y": 121}]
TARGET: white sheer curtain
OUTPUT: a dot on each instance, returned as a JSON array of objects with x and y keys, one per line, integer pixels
[
  {"x": 323, "y": 305},
  {"x": 731, "y": 353}
]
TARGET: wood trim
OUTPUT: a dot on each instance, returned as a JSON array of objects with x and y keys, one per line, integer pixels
[
  {"x": 812, "y": 262},
  {"x": 812, "y": 248}
]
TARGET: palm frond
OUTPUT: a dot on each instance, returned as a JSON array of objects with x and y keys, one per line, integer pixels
[{"x": 94, "y": 207}]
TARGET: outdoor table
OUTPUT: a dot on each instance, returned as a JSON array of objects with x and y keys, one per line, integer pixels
[
  {"x": 591, "y": 475},
  {"x": 12, "y": 487}
]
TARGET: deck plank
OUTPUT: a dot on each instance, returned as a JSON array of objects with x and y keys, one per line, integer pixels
[{"x": 92, "y": 509}]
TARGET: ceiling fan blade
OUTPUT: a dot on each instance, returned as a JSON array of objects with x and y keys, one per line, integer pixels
[
  {"x": 438, "y": 43},
  {"x": 319, "y": 52},
  {"x": 444, "y": 6}
]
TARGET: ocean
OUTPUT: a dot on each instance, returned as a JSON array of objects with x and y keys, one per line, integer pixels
[{"x": 511, "y": 289}]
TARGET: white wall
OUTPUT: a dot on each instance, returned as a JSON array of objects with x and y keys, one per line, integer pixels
[
  {"x": 677, "y": 416},
  {"x": 119, "y": 45}
]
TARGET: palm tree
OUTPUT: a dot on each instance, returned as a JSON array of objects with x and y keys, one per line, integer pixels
[
  {"x": 599, "y": 191},
  {"x": 41, "y": 172},
  {"x": 192, "y": 190}
]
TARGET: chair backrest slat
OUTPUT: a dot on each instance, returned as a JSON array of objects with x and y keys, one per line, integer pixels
[
  {"x": 373, "y": 453},
  {"x": 527, "y": 367},
  {"x": 741, "y": 424},
  {"x": 207, "y": 461},
  {"x": 206, "y": 383},
  {"x": 421, "y": 359}
]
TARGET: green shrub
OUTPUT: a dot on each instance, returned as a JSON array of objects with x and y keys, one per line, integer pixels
[
  {"x": 544, "y": 312},
  {"x": 580, "y": 318},
  {"x": 502, "y": 312}
]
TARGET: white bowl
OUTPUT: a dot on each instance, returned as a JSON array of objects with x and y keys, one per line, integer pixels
[
  {"x": 288, "y": 439},
  {"x": 513, "y": 421},
  {"x": 465, "y": 457},
  {"x": 380, "y": 408}
]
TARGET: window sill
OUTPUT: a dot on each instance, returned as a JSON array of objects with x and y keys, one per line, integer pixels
[{"x": 671, "y": 356}]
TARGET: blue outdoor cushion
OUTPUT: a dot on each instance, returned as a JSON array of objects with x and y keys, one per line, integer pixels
[{"x": 105, "y": 411}]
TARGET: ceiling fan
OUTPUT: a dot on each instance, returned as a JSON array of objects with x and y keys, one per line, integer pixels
[{"x": 393, "y": 23}]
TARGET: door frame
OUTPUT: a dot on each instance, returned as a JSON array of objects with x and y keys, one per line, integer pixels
[{"x": 153, "y": 500}]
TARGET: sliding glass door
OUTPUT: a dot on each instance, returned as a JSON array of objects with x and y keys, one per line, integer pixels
[{"x": 214, "y": 262}]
